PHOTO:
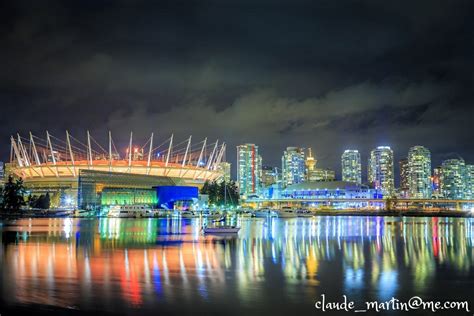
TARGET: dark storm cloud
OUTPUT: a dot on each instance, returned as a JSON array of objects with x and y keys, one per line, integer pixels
[{"x": 326, "y": 74}]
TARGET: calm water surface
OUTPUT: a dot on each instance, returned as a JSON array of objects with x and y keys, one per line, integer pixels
[{"x": 274, "y": 266}]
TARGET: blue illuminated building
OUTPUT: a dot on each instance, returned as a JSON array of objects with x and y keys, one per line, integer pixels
[
  {"x": 170, "y": 197},
  {"x": 330, "y": 190}
]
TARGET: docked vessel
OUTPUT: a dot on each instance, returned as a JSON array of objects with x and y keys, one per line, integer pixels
[
  {"x": 186, "y": 214},
  {"x": 130, "y": 211},
  {"x": 221, "y": 230},
  {"x": 214, "y": 215},
  {"x": 264, "y": 212},
  {"x": 84, "y": 213},
  {"x": 286, "y": 212},
  {"x": 246, "y": 213}
]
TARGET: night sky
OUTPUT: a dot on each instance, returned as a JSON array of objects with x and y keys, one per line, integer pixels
[{"x": 330, "y": 75}]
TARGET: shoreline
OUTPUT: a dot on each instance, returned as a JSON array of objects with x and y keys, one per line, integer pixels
[
  {"x": 383, "y": 213},
  {"x": 411, "y": 213}
]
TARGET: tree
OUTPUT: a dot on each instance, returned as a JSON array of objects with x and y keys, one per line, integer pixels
[
  {"x": 214, "y": 193},
  {"x": 211, "y": 189},
  {"x": 46, "y": 202},
  {"x": 205, "y": 187},
  {"x": 228, "y": 194},
  {"x": 42, "y": 202},
  {"x": 32, "y": 200},
  {"x": 233, "y": 191},
  {"x": 221, "y": 194},
  {"x": 13, "y": 194}
]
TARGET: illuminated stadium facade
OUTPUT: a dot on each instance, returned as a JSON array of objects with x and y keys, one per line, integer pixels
[{"x": 76, "y": 173}]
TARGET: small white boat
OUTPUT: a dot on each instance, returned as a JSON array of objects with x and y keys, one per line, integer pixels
[
  {"x": 264, "y": 212},
  {"x": 285, "y": 212},
  {"x": 134, "y": 211},
  {"x": 187, "y": 214},
  {"x": 221, "y": 230},
  {"x": 246, "y": 214}
]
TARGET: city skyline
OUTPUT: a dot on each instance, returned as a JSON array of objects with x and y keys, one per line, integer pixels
[
  {"x": 417, "y": 179},
  {"x": 364, "y": 166}
]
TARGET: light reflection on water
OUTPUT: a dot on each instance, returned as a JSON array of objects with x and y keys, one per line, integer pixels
[{"x": 273, "y": 265}]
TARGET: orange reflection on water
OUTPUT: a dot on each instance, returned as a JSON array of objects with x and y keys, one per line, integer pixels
[{"x": 68, "y": 272}]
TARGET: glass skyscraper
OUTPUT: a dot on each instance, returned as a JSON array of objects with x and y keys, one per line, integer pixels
[
  {"x": 419, "y": 173},
  {"x": 380, "y": 170},
  {"x": 404, "y": 180},
  {"x": 469, "y": 192},
  {"x": 249, "y": 169},
  {"x": 453, "y": 179},
  {"x": 293, "y": 166},
  {"x": 351, "y": 166}
]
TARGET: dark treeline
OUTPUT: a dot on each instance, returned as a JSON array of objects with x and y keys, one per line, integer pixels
[
  {"x": 13, "y": 195},
  {"x": 42, "y": 202},
  {"x": 221, "y": 194}
]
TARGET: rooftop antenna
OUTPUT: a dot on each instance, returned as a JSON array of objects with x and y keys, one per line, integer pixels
[
  {"x": 169, "y": 151},
  {"x": 186, "y": 153},
  {"x": 212, "y": 155},
  {"x": 52, "y": 152},
  {"x": 110, "y": 151},
  {"x": 23, "y": 151},
  {"x": 149, "y": 154},
  {"x": 130, "y": 151},
  {"x": 70, "y": 153},
  {"x": 15, "y": 150},
  {"x": 11, "y": 152},
  {"x": 89, "y": 149},
  {"x": 219, "y": 156}
]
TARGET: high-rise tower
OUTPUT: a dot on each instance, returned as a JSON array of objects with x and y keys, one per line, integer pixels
[
  {"x": 293, "y": 166},
  {"x": 351, "y": 166},
  {"x": 419, "y": 173},
  {"x": 249, "y": 168},
  {"x": 380, "y": 170},
  {"x": 453, "y": 179}
]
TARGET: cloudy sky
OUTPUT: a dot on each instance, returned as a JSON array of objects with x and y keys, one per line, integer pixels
[{"x": 329, "y": 74}]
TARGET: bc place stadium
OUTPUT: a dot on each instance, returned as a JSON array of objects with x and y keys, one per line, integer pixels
[{"x": 85, "y": 174}]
